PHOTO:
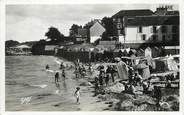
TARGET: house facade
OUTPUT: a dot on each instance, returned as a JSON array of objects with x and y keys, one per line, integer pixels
[
  {"x": 152, "y": 29},
  {"x": 119, "y": 20},
  {"x": 82, "y": 35},
  {"x": 139, "y": 27}
]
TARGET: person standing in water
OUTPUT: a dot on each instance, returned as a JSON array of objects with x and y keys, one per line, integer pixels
[
  {"x": 57, "y": 77},
  {"x": 61, "y": 66},
  {"x": 63, "y": 73},
  {"x": 47, "y": 67},
  {"x": 77, "y": 95}
]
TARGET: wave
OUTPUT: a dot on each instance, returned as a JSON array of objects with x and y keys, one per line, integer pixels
[
  {"x": 40, "y": 86},
  {"x": 51, "y": 71},
  {"x": 57, "y": 61},
  {"x": 25, "y": 84}
]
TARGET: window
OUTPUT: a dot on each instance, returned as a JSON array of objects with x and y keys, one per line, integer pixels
[
  {"x": 119, "y": 26},
  {"x": 140, "y": 29},
  {"x": 164, "y": 29},
  {"x": 119, "y": 19},
  {"x": 143, "y": 37},
  {"x": 119, "y": 32},
  {"x": 130, "y": 19},
  {"x": 174, "y": 29},
  {"x": 154, "y": 37},
  {"x": 123, "y": 31},
  {"x": 154, "y": 29},
  {"x": 175, "y": 37},
  {"x": 163, "y": 38}
]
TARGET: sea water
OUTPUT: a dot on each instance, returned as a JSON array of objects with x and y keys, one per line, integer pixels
[{"x": 29, "y": 87}]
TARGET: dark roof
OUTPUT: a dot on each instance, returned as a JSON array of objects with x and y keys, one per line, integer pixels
[
  {"x": 139, "y": 12},
  {"x": 172, "y": 13},
  {"x": 165, "y": 12},
  {"x": 152, "y": 20}
]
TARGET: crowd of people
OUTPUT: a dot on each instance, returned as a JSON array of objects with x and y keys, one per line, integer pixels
[
  {"x": 81, "y": 70},
  {"x": 107, "y": 75},
  {"x": 104, "y": 76},
  {"x": 134, "y": 80}
]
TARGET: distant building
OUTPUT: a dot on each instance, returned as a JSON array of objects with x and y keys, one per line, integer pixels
[
  {"x": 91, "y": 32},
  {"x": 24, "y": 48},
  {"x": 82, "y": 35}
]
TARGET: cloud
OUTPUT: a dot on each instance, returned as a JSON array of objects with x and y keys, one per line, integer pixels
[{"x": 28, "y": 29}]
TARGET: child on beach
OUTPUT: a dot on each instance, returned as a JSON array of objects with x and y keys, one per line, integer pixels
[{"x": 77, "y": 94}]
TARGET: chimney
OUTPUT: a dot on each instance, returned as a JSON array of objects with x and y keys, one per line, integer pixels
[{"x": 162, "y": 10}]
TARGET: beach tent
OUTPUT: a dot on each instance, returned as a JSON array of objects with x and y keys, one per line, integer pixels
[
  {"x": 121, "y": 67},
  {"x": 144, "y": 70},
  {"x": 163, "y": 64},
  {"x": 122, "y": 70},
  {"x": 156, "y": 51},
  {"x": 132, "y": 52},
  {"x": 172, "y": 65},
  {"x": 140, "y": 52},
  {"x": 148, "y": 52}
]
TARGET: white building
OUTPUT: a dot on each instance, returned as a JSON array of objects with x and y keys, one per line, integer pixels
[
  {"x": 136, "y": 28},
  {"x": 152, "y": 29}
]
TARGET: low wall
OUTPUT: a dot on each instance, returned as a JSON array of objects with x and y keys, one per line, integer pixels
[{"x": 72, "y": 55}]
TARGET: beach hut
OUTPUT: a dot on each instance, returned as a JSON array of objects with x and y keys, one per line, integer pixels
[
  {"x": 140, "y": 52},
  {"x": 148, "y": 52},
  {"x": 163, "y": 64},
  {"x": 143, "y": 69},
  {"x": 122, "y": 70}
]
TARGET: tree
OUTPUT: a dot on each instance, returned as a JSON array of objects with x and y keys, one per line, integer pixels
[
  {"x": 11, "y": 43},
  {"x": 107, "y": 22},
  {"x": 74, "y": 29},
  {"x": 54, "y": 34},
  {"x": 105, "y": 36}
]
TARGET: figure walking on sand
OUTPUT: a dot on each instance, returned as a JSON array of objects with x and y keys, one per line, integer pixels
[{"x": 77, "y": 95}]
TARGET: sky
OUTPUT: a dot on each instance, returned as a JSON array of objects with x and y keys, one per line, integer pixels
[{"x": 31, "y": 22}]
